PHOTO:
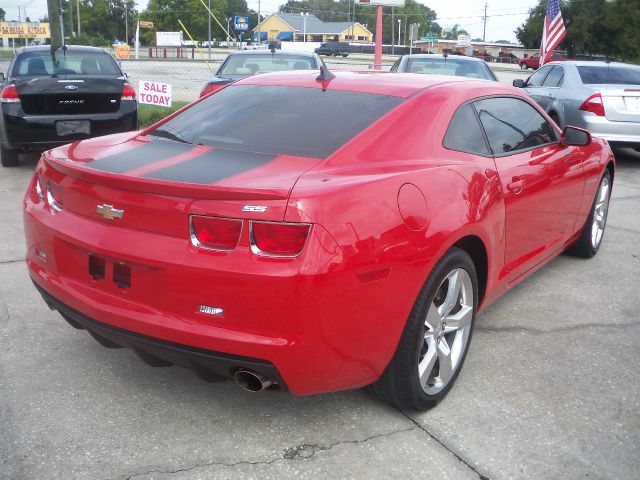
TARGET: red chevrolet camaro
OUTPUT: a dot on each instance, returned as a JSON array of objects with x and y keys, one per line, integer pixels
[{"x": 314, "y": 232}]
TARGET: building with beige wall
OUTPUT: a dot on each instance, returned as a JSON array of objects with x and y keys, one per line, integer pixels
[{"x": 290, "y": 27}]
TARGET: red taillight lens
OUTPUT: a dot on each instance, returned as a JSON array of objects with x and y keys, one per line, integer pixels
[
  {"x": 54, "y": 196},
  {"x": 593, "y": 104},
  {"x": 279, "y": 239},
  {"x": 128, "y": 93},
  {"x": 10, "y": 94},
  {"x": 209, "y": 88},
  {"x": 215, "y": 233}
]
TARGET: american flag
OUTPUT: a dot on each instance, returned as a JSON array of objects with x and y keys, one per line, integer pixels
[{"x": 553, "y": 31}]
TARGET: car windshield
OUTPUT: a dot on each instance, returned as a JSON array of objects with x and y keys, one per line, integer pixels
[
  {"x": 251, "y": 64},
  {"x": 612, "y": 75},
  {"x": 450, "y": 66},
  {"x": 41, "y": 63},
  {"x": 305, "y": 122}
]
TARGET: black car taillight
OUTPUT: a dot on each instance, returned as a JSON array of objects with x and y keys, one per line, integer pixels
[
  {"x": 128, "y": 92},
  {"x": 10, "y": 94}
]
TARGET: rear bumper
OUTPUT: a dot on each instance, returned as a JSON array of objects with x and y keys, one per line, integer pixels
[
  {"x": 208, "y": 365},
  {"x": 311, "y": 317},
  {"x": 627, "y": 133},
  {"x": 38, "y": 132}
]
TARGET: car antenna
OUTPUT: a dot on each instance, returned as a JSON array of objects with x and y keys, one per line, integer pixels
[
  {"x": 325, "y": 74},
  {"x": 445, "y": 55}
]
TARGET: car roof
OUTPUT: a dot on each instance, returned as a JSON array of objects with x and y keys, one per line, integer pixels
[
  {"x": 437, "y": 55},
  {"x": 275, "y": 52},
  {"x": 70, "y": 48},
  {"x": 590, "y": 63},
  {"x": 382, "y": 83}
]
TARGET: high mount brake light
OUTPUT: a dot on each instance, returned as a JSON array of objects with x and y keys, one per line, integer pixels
[
  {"x": 593, "y": 104},
  {"x": 278, "y": 239},
  {"x": 128, "y": 92},
  {"x": 10, "y": 94},
  {"x": 214, "y": 233}
]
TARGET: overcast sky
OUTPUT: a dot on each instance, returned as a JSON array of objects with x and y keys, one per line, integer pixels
[{"x": 504, "y": 15}]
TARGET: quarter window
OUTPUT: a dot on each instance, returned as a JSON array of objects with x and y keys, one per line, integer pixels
[
  {"x": 512, "y": 125},
  {"x": 465, "y": 134}
]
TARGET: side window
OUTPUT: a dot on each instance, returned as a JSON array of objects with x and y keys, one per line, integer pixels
[
  {"x": 554, "y": 79},
  {"x": 465, "y": 134},
  {"x": 537, "y": 78},
  {"x": 395, "y": 66},
  {"x": 512, "y": 125}
]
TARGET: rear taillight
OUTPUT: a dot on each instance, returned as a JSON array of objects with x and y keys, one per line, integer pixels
[
  {"x": 54, "y": 196},
  {"x": 39, "y": 185},
  {"x": 128, "y": 93},
  {"x": 9, "y": 94},
  {"x": 278, "y": 239},
  {"x": 215, "y": 233},
  {"x": 210, "y": 88},
  {"x": 593, "y": 104}
]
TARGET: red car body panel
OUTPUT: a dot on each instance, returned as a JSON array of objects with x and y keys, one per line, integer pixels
[{"x": 384, "y": 208}]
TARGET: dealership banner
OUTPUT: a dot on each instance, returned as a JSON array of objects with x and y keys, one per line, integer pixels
[
  {"x": 24, "y": 30},
  {"x": 154, "y": 93}
]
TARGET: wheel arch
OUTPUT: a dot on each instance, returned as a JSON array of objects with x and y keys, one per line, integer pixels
[{"x": 477, "y": 250}]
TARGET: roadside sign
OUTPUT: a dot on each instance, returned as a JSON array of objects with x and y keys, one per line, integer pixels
[
  {"x": 384, "y": 3},
  {"x": 464, "y": 41},
  {"x": 240, "y": 24},
  {"x": 122, "y": 51},
  {"x": 146, "y": 24},
  {"x": 154, "y": 93},
  {"x": 428, "y": 39}
]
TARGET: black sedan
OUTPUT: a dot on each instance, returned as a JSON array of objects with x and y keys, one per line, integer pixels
[
  {"x": 55, "y": 97},
  {"x": 243, "y": 64},
  {"x": 452, "y": 65}
]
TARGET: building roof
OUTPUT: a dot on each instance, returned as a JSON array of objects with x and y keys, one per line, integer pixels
[{"x": 314, "y": 24}]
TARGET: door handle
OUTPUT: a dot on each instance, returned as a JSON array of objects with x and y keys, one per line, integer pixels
[{"x": 516, "y": 187}]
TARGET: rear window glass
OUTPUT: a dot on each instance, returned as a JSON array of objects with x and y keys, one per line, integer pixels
[
  {"x": 603, "y": 75},
  {"x": 252, "y": 64},
  {"x": 450, "y": 66},
  {"x": 35, "y": 64},
  {"x": 306, "y": 122}
]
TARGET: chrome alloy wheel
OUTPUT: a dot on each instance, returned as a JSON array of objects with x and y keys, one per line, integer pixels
[
  {"x": 446, "y": 331},
  {"x": 601, "y": 208}
]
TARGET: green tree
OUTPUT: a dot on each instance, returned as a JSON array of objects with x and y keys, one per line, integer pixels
[
  {"x": 2, "y": 14},
  {"x": 453, "y": 32}
]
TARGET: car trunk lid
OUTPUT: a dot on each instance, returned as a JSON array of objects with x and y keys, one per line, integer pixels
[
  {"x": 158, "y": 183},
  {"x": 66, "y": 95},
  {"x": 621, "y": 103}
]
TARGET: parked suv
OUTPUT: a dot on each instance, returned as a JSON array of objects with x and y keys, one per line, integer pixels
[
  {"x": 334, "y": 48},
  {"x": 55, "y": 97}
]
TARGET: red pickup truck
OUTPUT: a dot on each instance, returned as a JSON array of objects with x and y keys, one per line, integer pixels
[{"x": 534, "y": 60}]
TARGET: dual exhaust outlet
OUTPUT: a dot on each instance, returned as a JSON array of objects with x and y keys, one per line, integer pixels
[{"x": 252, "y": 381}]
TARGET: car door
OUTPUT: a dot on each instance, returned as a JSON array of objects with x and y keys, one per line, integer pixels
[
  {"x": 540, "y": 177},
  {"x": 551, "y": 87},
  {"x": 534, "y": 86}
]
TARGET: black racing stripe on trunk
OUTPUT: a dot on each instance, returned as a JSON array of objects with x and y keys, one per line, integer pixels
[
  {"x": 211, "y": 166},
  {"x": 154, "y": 151}
]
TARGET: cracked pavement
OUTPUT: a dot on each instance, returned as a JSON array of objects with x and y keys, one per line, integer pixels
[{"x": 550, "y": 388}]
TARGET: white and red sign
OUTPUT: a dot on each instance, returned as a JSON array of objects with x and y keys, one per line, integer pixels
[{"x": 154, "y": 93}]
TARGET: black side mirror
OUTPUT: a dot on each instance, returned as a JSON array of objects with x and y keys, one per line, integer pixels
[
  {"x": 576, "y": 137},
  {"x": 518, "y": 82}
]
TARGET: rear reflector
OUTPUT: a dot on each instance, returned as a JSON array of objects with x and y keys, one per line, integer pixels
[
  {"x": 9, "y": 94},
  {"x": 278, "y": 239},
  {"x": 128, "y": 93},
  {"x": 209, "y": 88},
  {"x": 54, "y": 196},
  {"x": 593, "y": 104},
  {"x": 215, "y": 233}
]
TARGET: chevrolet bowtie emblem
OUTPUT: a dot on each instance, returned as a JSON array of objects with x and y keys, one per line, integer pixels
[{"x": 108, "y": 212}]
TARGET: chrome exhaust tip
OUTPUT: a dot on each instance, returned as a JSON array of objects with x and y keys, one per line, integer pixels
[{"x": 252, "y": 381}]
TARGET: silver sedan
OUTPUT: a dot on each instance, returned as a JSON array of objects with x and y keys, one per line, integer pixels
[{"x": 601, "y": 97}]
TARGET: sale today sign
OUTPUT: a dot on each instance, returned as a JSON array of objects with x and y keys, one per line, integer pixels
[{"x": 154, "y": 93}]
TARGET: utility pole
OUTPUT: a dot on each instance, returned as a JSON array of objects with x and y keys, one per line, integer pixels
[
  {"x": 484, "y": 32},
  {"x": 393, "y": 34},
  {"x": 126, "y": 22},
  {"x": 55, "y": 23},
  {"x": 209, "y": 34},
  {"x": 71, "y": 17},
  {"x": 259, "y": 21},
  {"x": 78, "y": 15}
]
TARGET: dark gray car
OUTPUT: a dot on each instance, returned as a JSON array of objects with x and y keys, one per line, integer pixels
[
  {"x": 601, "y": 97},
  {"x": 452, "y": 65}
]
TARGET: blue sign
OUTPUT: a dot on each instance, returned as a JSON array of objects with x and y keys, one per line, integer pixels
[{"x": 240, "y": 23}]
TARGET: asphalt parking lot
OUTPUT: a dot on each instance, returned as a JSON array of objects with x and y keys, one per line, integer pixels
[{"x": 550, "y": 388}]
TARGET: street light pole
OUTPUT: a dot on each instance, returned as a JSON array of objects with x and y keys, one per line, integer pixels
[
  {"x": 393, "y": 33},
  {"x": 399, "y": 29},
  {"x": 304, "y": 25},
  {"x": 228, "y": 38},
  {"x": 259, "y": 21}
]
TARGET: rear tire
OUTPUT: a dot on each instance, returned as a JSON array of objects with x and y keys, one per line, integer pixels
[
  {"x": 8, "y": 158},
  {"x": 592, "y": 233},
  {"x": 523, "y": 66},
  {"x": 436, "y": 337}
]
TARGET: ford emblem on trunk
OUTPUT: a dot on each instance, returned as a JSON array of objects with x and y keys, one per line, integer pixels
[
  {"x": 108, "y": 212},
  {"x": 71, "y": 87}
]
